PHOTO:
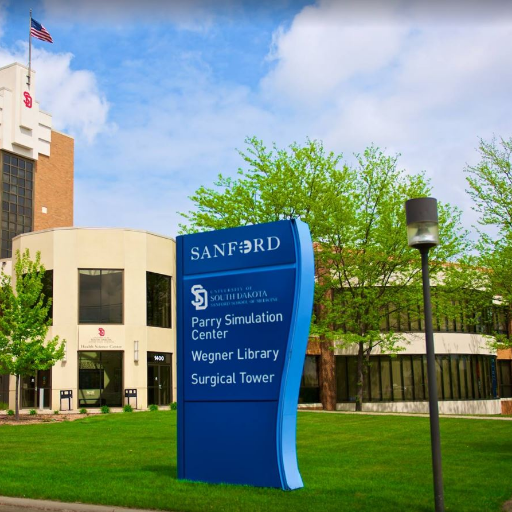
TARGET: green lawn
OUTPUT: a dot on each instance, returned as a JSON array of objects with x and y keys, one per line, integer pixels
[{"x": 348, "y": 463}]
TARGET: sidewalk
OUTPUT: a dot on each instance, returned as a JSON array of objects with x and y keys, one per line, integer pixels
[
  {"x": 412, "y": 414},
  {"x": 8, "y": 504}
]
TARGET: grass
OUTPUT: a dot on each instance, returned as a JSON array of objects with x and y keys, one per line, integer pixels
[{"x": 348, "y": 463}]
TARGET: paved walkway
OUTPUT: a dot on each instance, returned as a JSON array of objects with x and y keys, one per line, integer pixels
[
  {"x": 8, "y": 504},
  {"x": 415, "y": 415}
]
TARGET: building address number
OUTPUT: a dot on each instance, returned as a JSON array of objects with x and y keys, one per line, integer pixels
[{"x": 159, "y": 357}]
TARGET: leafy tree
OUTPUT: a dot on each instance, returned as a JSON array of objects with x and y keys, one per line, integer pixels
[
  {"x": 365, "y": 269},
  {"x": 490, "y": 183},
  {"x": 490, "y": 187},
  {"x": 278, "y": 184},
  {"x": 24, "y": 322}
]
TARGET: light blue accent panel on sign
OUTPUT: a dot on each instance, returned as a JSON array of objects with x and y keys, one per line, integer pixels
[{"x": 297, "y": 345}]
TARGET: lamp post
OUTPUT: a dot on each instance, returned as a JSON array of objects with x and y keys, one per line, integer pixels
[{"x": 423, "y": 234}]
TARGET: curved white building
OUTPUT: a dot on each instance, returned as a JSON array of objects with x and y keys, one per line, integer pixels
[{"x": 113, "y": 302}]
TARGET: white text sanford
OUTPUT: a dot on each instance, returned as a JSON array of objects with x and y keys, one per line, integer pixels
[{"x": 270, "y": 243}]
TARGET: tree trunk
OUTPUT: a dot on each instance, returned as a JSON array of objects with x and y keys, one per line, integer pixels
[
  {"x": 327, "y": 376},
  {"x": 17, "y": 399},
  {"x": 360, "y": 378}
]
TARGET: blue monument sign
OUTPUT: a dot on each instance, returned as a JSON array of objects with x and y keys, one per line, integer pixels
[{"x": 244, "y": 305}]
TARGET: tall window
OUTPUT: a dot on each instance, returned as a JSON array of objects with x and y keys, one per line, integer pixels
[
  {"x": 404, "y": 378},
  {"x": 17, "y": 196},
  {"x": 158, "y": 294},
  {"x": 101, "y": 296},
  {"x": 4, "y": 389},
  {"x": 48, "y": 291},
  {"x": 505, "y": 377},
  {"x": 309, "y": 384}
]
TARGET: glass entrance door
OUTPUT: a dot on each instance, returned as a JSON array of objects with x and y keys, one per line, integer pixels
[
  {"x": 44, "y": 387},
  {"x": 159, "y": 384},
  {"x": 28, "y": 392},
  {"x": 35, "y": 389},
  {"x": 100, "y": 379}
]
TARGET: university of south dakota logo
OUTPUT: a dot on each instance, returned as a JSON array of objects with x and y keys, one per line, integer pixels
[
  {"x": 27, "y": 100},
  {"x": 200, "y": 297}
]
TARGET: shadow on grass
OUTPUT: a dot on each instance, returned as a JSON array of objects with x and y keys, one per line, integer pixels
[{"x": 167, "y": 470}]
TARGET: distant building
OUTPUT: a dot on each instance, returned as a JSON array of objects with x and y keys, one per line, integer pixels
[{"x": 471, "y": 377}]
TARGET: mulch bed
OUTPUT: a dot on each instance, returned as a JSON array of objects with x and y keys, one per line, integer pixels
[{"x": 27, "y": 419}]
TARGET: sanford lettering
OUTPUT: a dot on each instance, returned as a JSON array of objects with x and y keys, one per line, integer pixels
[{"x": 226, "y": 249}]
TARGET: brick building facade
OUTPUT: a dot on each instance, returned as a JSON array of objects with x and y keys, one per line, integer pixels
[{"x": 53, "y": 198}]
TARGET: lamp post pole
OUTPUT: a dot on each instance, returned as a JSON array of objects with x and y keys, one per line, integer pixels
[
  {"x": 422, "y": 234},
  {"x": 435, "y": 436}
]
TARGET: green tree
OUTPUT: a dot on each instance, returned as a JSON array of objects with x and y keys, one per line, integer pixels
[
  {"x": 365, "y": 269},
  {"x": 490, "y": 187},
  {"x": 278, "y": 184},
  {"x": 490, "y": 183},
  {"x": 24, "y": 322}
]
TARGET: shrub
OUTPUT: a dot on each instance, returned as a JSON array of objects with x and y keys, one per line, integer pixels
[
  {"x": 174, "y": 406},
  {"x": 10, "y": 412},
  {"x": 127, "y": 408},
  {"x": 4, "y": 406},
  {"x": 32, "y": 412},
  {"x": 83, "y": 410},
  {"x": 105, "y": 409},
  {"x": 153, "y": 407}
]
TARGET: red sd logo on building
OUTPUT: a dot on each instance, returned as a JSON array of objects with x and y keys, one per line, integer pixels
[
  {"x": 27, "y": 100},
  {"x": 101, "y": 331}
]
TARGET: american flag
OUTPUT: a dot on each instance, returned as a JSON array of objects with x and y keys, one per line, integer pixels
[{"x": 37, "y": 30}]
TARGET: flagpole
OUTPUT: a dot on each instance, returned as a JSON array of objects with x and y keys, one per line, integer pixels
[{"x": 29, "y": 49}]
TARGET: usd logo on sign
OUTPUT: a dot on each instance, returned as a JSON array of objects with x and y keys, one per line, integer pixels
[{"x": 200, "y": 297}]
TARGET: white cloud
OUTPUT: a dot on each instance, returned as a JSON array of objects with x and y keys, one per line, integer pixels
[
  {"x": 322, "y": 49},
  {"x": 334, "y": 47},
  {"x": 72, "y": 96},
  {"x": 423, "y": 82}
]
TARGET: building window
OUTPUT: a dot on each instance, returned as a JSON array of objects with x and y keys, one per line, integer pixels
[
  {"x": 158, "y": 297},
  {"x": 404, "y": 378},
  {"x": 505, "y": 377},
  {"x": 4, "y": 390},
  {"x": 48, "y": 292},
  {"x": 17, "y": 197},
  {"x": 468, "y": 316},
  {"x": 101, "y": 296},
  {"x": 309, "y": 385}
]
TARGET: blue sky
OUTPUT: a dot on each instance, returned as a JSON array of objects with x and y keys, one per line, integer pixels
[{"x": 159, "y": 95}]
